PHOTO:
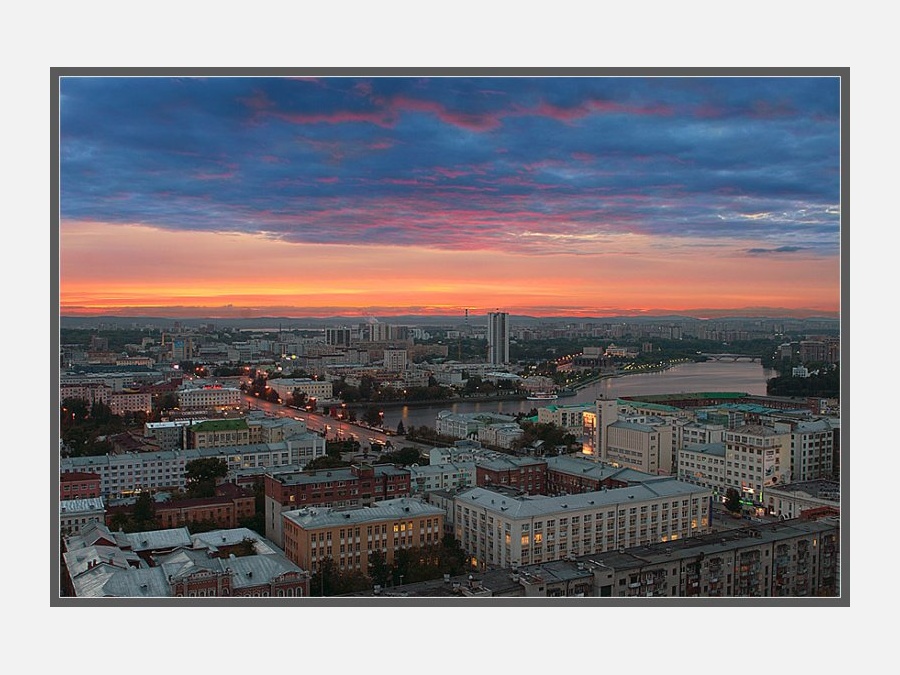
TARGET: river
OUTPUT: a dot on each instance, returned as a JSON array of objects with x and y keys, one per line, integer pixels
[{"x": 743, "y": 376}]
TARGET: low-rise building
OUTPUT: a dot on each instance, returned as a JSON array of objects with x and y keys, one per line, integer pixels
[
  {"x": 448, "y": 476},
  {"x": 74, "y": 514},
  {"x": 350, "y": 536},
  {"x": 98, "y": 563},
  {"x": 356, "y": 486},
  {"x": 525, "y": 474},
  {"x": 209, "y": 397},
  {"x": 317, "y": 389},
  {"x": 79, "y": 485},
  {"x": 795, "y": 499},
  {"x": 570, "y": 475}
]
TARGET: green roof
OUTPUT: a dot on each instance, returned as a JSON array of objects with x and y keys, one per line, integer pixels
[{"x": 220, "y": 425}]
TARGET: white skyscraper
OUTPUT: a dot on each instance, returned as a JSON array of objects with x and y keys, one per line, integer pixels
[{"x": 498, "y": 338}]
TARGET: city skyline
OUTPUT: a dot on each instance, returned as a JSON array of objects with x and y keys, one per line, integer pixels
[{"x": 357, "y": 196}]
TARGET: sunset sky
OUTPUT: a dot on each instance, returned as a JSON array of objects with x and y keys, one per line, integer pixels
[{"x": 356, "y": 196}]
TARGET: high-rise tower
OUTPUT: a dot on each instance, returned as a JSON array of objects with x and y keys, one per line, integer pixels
[{"x": 498, "y": 338}]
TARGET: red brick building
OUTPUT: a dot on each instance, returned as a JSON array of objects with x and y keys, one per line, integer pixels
[
  {"x": 227, "y": 509},
  {"x": 526, "y": 474},
  {"x": 359, "y": 485},
  {"x": 79, "y": 485}
]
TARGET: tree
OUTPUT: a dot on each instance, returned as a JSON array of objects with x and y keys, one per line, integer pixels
[
  {"x": 733, "y": 500},
  {"x": 201, "y": 475},
  {"x": 379, "y": 570},
  {"x": 372, "y": 416},
  {"x": 144, "y": 513},
  {"x": 401, "y": 431}
]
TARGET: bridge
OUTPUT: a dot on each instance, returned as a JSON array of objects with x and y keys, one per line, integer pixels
[{"x": 732, "y": 357}]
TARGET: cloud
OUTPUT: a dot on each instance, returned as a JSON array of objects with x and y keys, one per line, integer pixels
[{"x": 780, "y": 249}]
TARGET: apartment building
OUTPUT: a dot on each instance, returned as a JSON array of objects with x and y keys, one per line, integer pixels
[
  {"x": 350, "y": 536},
  {"x": 218, "y": 433},
  {"x": 756, "y": 458},
  {"x": 641, "y": 446},
  {"x": 510, "y": 532},
  {"x": 795, "y": 558},
  {"x": 812, "y": 448},
  {"x": 125, "y": 474},
  {"x": 169, "y": 435},
  {"x": 704, "y": 464},
  {"x": 359, "y": 485}
]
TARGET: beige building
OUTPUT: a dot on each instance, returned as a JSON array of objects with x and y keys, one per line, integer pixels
[
  {"x": 703, "y": 464},
  {"x": 495, "y": 529},
  {"x": 211, "y": 397},
  {"x": 756, "y": 458},
  {"x": 350, "y": 536},
  {"x": 641, "y": 446},
  {"x": 569, "y": 417},
  {"x": 317, "y": 389}
]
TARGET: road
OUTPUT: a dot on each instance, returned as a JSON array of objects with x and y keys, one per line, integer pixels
[{"x": 332, "y": 429}]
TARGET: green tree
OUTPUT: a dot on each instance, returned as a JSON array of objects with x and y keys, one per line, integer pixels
[
  {"x": 202, "y": 475},
  {"x": 733, "y": 500},
  {"x": 379, "y": 570},
  {"x": 144, "y": 513},
  {"x": 401, "y": 431},
  {"x": 373, "y": 416}
]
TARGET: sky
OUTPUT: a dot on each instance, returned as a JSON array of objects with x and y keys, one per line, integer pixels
[{"x": 367, "y": 196}]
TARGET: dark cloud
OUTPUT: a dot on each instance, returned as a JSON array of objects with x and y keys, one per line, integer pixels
[{"x": 458, "y": 162}]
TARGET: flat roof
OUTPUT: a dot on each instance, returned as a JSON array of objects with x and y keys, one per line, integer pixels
[
  {"x": 527, "y": 507},
  {"x": 393, "y": 509}
]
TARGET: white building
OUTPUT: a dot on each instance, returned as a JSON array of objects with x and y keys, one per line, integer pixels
[
  {"x": 757, "y": 458},
  {"x": 790, "y": 501},
  {"x": 285, "y": 386},
  {"x": 448, "y": 476},
  {"x": 508, "y": 532},
  {"x": 466, "y": 425},
  {"x": 76, "y": 513},
  {"x": 123, "y": 474},
  {"x": 209, "y": 397},
  {"x": 502, "y": 435}
]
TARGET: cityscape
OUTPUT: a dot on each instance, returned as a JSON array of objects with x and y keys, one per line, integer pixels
[{"x": 450, "y": 339}]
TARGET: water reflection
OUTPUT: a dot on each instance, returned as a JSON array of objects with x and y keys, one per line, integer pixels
[{"x": 710, "y": 376}]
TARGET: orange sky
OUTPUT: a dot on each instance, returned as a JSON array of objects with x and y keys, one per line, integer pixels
[{"x": 105, "y": 268}]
